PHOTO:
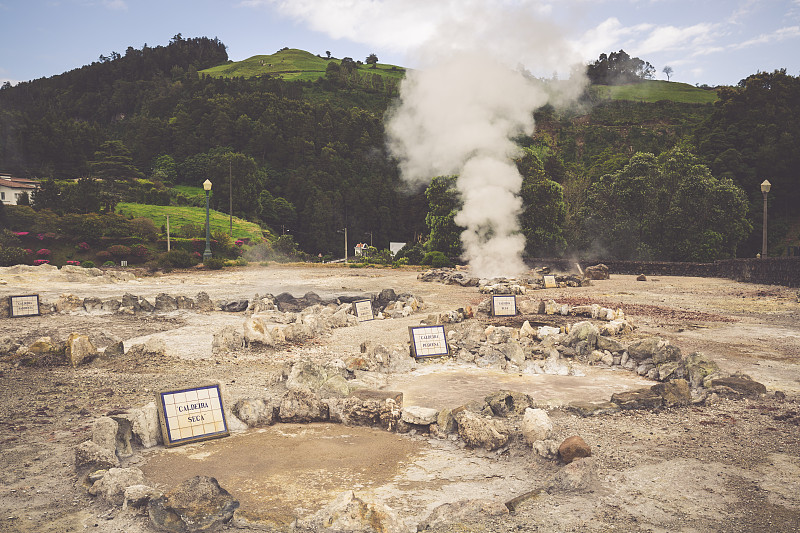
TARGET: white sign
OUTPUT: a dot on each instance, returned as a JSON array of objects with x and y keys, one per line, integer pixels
[
  {"x": 190, "y": 415},
  {"x": 24, "y": 305},
  {"x": 504, "y": 305},
  {"x": 363, "y": 310},
  {"x": 550, "y": 282},
  {"x": 428, "y": 341}
]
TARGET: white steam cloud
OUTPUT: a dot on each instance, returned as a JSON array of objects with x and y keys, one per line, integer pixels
[{"x": 458, "y": 115}]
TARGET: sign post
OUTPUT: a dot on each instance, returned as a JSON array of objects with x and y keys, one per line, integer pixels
[{"x": 363, "y": 310}]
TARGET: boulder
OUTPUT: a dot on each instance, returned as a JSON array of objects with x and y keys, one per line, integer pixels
[
  {"x": 544, "y": 331},
  {"x": 504, "y": 403},
  {"x": 675, "y": 393},
  {"x": 236, "y": 306},
  {"x": 594, "y": 272},
  {"x": 586, "y": 409},
  {"x": 80, "y": 349},
  {"x": 349, "y": 513},
  {"x": 422, "y": 416},
  {"x": 146, "y": 306},
  {"x": 111, "y": 487},
  {"x": 638, "y": 399},
  {"x": 513, "y": 352},
  {"x": 197, "y": 504},
  {"x": 741, "y": 385},
  {"x": 228, "y": 339},
  {"x": 462, "y": 512},
  {"x": 607, "y": 343},
  {"x": 90, "y": 455},
  {"x": 583, "y": 331},
  {"x": 256, "y": 331},
  {"x": 67, "y": 303},
  {"x": 698, "y": 367},
  {"x": 203, "y": 302},
  {"x": 573, "y": 448},
  {"x": 104, "y": 433},
  {"x": 254, "y": 412},
  {"x": 92, "y": 304},
  {"x": 655, "y": 348},
  {"x": 579, "y": 475},
  {"x": 114, "y": 349},
  {"x": 165, "y": 303},
  {"x": 184, "y": 302},
  {"x": 527, "y": 331},
  {"x": 536, "y": 425},
  {"x": 138, "y": 496},
  {"x": 302, "y": 406},
  {"x": 144, "y": 426},
  {"x": 479, "y": 432},
  {"x": 42, "y": 346}
]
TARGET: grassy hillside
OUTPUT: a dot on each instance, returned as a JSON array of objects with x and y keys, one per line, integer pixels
[
  {"x": 654, "y": 91},
  {"x": 291, "y": 64},
  {"x": 179, "y": 216}
]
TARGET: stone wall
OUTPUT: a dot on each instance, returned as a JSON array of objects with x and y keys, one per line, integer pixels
[{"x": 771, "y": 271}]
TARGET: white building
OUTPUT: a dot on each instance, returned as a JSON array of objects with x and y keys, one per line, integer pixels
[{"x": 11, "y": 188}]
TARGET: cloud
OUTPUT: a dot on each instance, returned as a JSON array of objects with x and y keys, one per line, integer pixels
[
  {"x": 117, "y": 5},
  {"x": 781, "y": 34},
  {"x": 665, "y": 38}
]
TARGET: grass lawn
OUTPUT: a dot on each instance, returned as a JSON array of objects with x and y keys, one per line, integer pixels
[
  {"x": 179, "y": 216},
  {"x": 291, "y": 65},
  {"x": 656, "y": 90}
]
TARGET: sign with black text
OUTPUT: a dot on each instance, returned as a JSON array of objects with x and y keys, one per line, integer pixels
[
  {"x": 191, "y": 415},
  {"x": 27, "y": 305},
  {"x": 504, "y": 305},
  {"x": 363, "y": 310},
  {"x": 550, "y": 282},
  {"x": 428, "y": 341}
]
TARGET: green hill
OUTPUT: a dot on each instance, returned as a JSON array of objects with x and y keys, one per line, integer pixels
[
  {"x": 292, "y": 64},
  {"x": 181, "y": 215},
  {"x": 655, "y": 91}
]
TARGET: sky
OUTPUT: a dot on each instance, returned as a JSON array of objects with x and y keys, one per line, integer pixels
[{"x": 713, "y": 42}]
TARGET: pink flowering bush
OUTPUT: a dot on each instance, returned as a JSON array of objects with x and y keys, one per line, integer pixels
[
  {"x": 41, "y": 262},
  {"x": 20, "y": 233},
  {"x": 74, "y": 263},
  {"x": 43, "y": 252},
  {"x": 239, "y": 242},
  {"x": 83, "y": 246}
]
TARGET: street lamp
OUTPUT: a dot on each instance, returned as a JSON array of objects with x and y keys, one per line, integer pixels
[
  {"x": 765, "y": 186},
  {"x": 207, "y": 253}
]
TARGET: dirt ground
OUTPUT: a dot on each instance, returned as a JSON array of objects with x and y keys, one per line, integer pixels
[{"x": 730, "y": 466}]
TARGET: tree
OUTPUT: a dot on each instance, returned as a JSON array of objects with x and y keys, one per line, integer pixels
[
  {"x": 372, "y": 59},
  {"x": 668, "y": 207},
  {"x": 328, "y": 54},
  {"x": 619, "y": 68},
  {"x": 668, "y": 71},
  {"x": 543, "y": 209},
  {"x": 113, "y": 162},
  {"x": 444, "y": 203},
  {"x": 47, "y": 196}
]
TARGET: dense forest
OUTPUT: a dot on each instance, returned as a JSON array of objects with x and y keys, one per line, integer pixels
[{"x": 663, "y": 180}]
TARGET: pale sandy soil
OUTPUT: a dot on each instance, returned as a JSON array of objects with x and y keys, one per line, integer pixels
[{"x": 731, "y": 466}]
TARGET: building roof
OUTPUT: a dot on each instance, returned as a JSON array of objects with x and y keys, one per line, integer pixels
[{"x": 17, "y": 183}]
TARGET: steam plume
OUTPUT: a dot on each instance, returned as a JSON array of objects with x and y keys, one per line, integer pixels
[{"x": 457, "y": 115}]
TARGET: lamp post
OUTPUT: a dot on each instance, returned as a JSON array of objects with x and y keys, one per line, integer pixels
[
  {"x": 207, "y": 253},
  {"x": 765, "y": 186}
]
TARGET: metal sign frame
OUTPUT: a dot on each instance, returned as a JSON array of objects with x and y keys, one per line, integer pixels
[
  {"x": 19, "y": 306},
  {"x": 191, "y": 415},
  {"x": 428, "y": 341},
  {"x": 361, "y": 312},
  {"x": 501, "y": 301}
]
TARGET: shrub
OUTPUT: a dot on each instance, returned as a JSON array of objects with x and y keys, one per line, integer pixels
[
  {"x": 143, "y": 228},
  {"x": 241, "y": 261},
  {"x": 436, "y": 259},
  {"x": 88, "y": 264},
  {"x": 413, "y": 253},
  {"x": 139, "y": 251},
  {"x": 10, "y": 256},
  {"x": 192, "y": 231},
  {"x": 119, "y": 250},
  {"x": 214, "y": 263},
  {"x": 41, "y": 262},
  {"x": 109, "y": 264},
  {"x": 102, "y": 256},
  {"x": 176, "y": 259},
  {"x": 74, "y": 263},
  {"x": 82, "y": 246},
  {"x": 43, "y": 252}
]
